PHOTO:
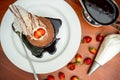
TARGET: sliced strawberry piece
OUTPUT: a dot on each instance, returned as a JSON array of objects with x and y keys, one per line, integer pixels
[
  {"x": 42, "y": 31},
  {"x": 39, "y": 33}
]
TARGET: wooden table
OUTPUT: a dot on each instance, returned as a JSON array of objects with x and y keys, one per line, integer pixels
[{"x": 109, "y": 71}]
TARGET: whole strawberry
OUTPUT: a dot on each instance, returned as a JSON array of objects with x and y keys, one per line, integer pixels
[
  {"x": 87, "y": 61},
  {"x": 50, "y": 77},
  {"x": 71, "y": 66},
  {"x": 99, "y": 37},
  {"x": 61, "y": 76},
  {"x": 87, "y": 39},
  {"x": 78, "y": 58},
  {"x": 92, "y": 50},
  {"x": 74, "y": 78}
]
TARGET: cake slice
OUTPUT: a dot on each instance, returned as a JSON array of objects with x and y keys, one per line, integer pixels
[{"x": 39, "y": 33}]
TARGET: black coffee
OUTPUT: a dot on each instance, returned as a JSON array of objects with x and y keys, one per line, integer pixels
[{"x": 103, "y": 12}]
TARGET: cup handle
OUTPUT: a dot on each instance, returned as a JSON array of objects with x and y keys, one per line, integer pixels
[{"x": 116, "y": 25}]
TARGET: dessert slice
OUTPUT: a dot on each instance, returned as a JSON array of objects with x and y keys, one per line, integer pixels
[{"x": 39, "y": 33}]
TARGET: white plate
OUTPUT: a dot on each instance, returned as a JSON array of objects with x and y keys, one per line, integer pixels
[{"x": 67, "y": 46}]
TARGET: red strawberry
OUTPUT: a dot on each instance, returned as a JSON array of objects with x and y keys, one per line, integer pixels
[
  {"x": 61, "y": 76},
  {"x": 78, "y": 58},
  {"x": 87, "y": 39},
  {"x": 50, "y": 77},
  {"x": 87, "y": 61},
  {"x": 71, "y": 66},
  {"x": 74, "y": 78},
  {"x": 92, "y": 50},
  {"x": 39, "y": 32},
  {"x": 99, "y": 37}
]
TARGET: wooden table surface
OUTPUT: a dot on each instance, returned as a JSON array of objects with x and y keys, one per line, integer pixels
[{"x": 109, "y": 71}]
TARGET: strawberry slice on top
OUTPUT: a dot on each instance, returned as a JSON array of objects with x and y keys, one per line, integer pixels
[{"x": 39, "y": 33}]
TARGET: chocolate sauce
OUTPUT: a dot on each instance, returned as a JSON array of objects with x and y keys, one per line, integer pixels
[
  {"x": 102, "y": 11},
  {"x": 51, "y": 48}
]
